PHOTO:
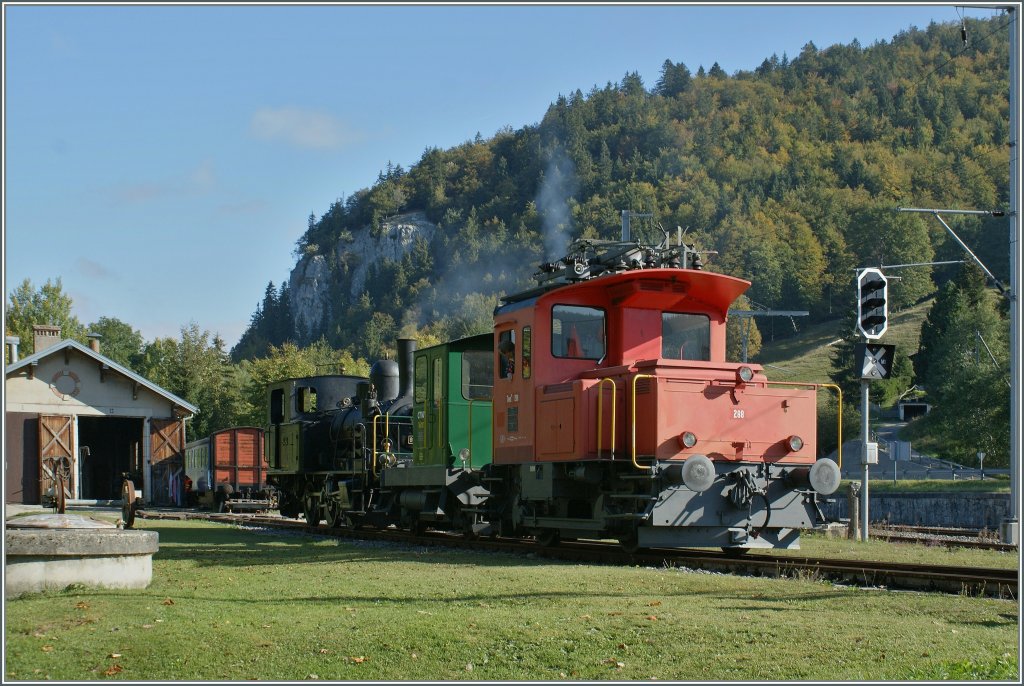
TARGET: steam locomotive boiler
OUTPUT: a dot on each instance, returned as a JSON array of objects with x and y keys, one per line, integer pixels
[{"x": 329, "y": 437}]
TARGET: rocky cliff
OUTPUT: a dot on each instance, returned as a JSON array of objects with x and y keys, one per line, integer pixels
[{"x": 310, "y": 281}]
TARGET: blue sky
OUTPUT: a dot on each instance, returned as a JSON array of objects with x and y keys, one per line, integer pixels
[{"x": 163, "y": 160}]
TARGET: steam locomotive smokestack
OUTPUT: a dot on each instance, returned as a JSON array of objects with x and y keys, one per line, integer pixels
[{"x": 406, "y": 347}]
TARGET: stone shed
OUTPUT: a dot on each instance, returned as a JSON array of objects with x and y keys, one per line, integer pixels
[{"x": 68, "y": 400}]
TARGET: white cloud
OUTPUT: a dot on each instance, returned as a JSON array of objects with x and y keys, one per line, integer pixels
[{"x": 309, "y": 129}]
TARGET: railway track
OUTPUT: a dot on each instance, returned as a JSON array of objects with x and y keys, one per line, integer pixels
[
  {"x": 941, "y": 536},
  {"x": 970, "y": 581}
]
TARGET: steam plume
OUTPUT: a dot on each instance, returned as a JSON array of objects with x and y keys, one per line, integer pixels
[{"x": 558, "y": 186}]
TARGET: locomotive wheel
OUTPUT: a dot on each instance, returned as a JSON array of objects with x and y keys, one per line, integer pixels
[
  {"x": 732, "y": 551},
  {"x": 334, "y": 514},
  {"x": 311, "y": 509},
  {"x": 549, "y": 538},
  {"x": 629, "y": 542}
]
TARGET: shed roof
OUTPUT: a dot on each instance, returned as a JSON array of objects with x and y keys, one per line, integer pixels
[{"x": 89, "y": 352}]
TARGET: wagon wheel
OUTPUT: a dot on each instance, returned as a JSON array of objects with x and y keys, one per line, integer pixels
[
  {"x": 311, "y": 508},
  {"x": 128, "y": 503},
  {"x": 333, "y": 511}
]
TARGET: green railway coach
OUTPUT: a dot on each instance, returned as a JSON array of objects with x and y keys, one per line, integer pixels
[
  {"x": 452, "y": 403},
  {"x": 452, "y": 410}
]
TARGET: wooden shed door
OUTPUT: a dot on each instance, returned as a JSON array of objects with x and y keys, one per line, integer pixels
[
  {"x": 166, "y": 439},
  {"x": 167, "y": 458},
  {"x": 56, "y": 440}
]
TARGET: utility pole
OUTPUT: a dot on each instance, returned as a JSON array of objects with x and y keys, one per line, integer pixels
[{"x": 1010, "y": 529}]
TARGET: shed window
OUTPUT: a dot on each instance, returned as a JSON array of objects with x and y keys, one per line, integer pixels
[{"x": 577, "y": 332}]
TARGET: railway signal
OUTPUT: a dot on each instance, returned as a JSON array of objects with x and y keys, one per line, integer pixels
[
  {"x": 875, "y": 360},
  {"x": 872, "y": 293}
]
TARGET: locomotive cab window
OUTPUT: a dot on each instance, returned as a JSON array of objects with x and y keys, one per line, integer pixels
[
  {"x": 476, "y": 375},
  {"x": 685, "y": 336},
  {"x": 277, "y": 406},
  {"x": 306, "y": 399},
  {"x": 577, "y": 332},
  {"x": 507, "y": 354},
  {"x": 527, "y": 352}
]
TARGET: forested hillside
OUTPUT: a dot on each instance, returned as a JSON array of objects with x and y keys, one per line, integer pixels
[
  {"x": 791, "y": 173},
  {"x": 788, "y": 175}
]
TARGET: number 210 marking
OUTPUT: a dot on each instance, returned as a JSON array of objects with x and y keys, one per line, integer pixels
[{"x": 737, "y": 414}]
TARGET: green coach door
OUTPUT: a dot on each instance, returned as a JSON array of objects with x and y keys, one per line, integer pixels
[
  {"x": 453, "y": 384},
  {"x": 471, "y": 378}
]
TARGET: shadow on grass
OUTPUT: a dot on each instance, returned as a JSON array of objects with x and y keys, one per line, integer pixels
[{"x": 230, "y": 547}]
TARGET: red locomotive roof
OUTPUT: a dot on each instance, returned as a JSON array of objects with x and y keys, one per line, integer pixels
[{"x": 660, "y": 288}]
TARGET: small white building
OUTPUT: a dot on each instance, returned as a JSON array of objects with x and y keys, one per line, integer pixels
[{"x": 69, "y": 401}]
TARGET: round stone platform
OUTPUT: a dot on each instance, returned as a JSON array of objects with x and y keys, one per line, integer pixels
[{"x": 54, "y": 551}]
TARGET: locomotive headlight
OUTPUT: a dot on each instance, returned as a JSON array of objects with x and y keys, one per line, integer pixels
[
  {"x": 795, "y": 443},
  {"x": 688, "y": 439},
  {"x": 745, "y": 374}
]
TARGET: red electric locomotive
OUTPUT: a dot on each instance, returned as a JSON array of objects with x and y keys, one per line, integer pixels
[{"x": 616, "y": 414}]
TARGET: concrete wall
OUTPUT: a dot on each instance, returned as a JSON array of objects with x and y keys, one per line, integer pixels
[{"x": 967, "y": 510}]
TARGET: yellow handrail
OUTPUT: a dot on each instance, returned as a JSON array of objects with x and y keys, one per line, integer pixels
[
  {"x": 839, "y": 392},
  {"x": 600, "y": 422},
  {"x": 839, "y": 449},
  {"x": 635, "y": 463}
]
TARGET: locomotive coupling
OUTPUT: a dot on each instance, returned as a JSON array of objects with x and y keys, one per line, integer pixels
[{"x": 743, "y": 492}]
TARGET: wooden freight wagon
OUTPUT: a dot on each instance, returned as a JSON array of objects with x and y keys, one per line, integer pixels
[
  {"x": 230, "y": 457},
  {"x": 236, "y": 457}
]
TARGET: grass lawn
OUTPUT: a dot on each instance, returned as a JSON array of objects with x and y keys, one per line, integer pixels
[
  {"x": 989, "y": 485},
  {"x": 820, "y": 545},
  {"x": 230, "y": 604}
]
